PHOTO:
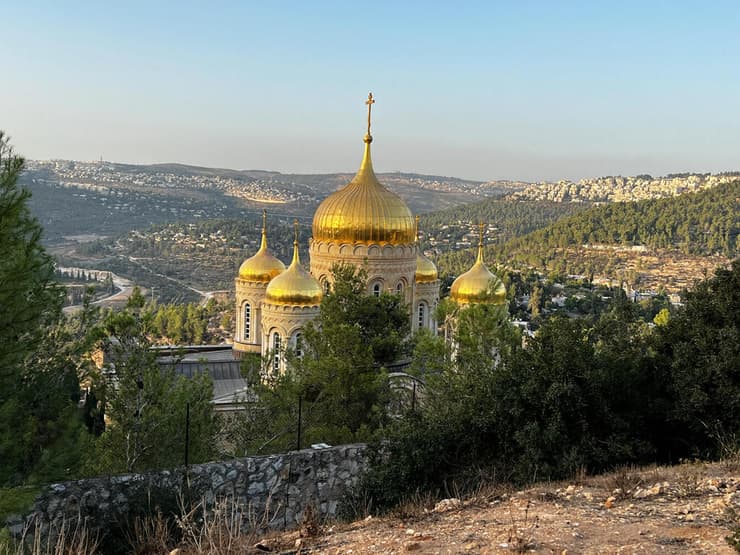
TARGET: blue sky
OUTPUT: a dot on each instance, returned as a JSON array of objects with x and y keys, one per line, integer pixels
[{"x": 483, "y": 90}]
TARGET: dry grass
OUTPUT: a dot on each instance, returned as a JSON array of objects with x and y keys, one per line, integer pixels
[
  {"x": 622, "y": 482},
  {"x": 413, "y": 507},
  {"x": 70, "y": 537},
  {"x": 150, "y": 534},
  {"x": 521, "y": 533},
  {"x": 688, "y": 479},
  {"x": 221, "y": 530}
]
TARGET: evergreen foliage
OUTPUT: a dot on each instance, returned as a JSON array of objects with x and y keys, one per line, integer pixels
[
  {"x": 40, "y": 353},
  {"x": 705, "y": 222},
  {"x": 587, "y": 394},
  {"x": 147, "y": 403},
  {"x": 339, "y": 378},
  {"x": 512, "y": 218}
]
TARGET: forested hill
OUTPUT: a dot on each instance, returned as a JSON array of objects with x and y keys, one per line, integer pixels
[
  {"x": 702, "y": 223},
  {"x": 511, "y": 218}
]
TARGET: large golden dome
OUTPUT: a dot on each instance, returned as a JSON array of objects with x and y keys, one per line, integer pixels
[
  {"x": 295, "y": 286},
  {"x": 364, "y": 211},
  {"x": 263, "y": 266},
  {"x": 479, "y": 284}
]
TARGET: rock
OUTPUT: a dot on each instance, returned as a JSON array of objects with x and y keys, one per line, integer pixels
[
  {"x": 447, "y": 505},
  {"x": 412, "y": 546},
  {"x": 609, "y": 503}
]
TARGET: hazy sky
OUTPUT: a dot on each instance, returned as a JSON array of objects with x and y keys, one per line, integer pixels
[{"x": 483, "y": 90}]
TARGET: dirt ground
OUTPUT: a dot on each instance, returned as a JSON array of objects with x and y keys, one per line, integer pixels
[{"x": 683, "y": 509}]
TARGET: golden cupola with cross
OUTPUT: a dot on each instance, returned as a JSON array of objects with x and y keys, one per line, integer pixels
[
  {"x": 263, "y": 266},
  {"x": 479, "y": 284},
  {"x": 366, "y": 225},
  {"x": 295, "y": 286},
  {"x": 364, "y": 211}
]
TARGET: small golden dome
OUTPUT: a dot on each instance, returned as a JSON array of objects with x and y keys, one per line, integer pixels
[
  {"x": 479, "y": 284},
  {"x": 364, "y": 211},
  {"x": 295, "y": 286},
  {"x": 263, "y": 266},
  {"x": 426, "y": 271}
]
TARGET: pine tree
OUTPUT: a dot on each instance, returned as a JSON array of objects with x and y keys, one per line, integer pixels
[{"x": 28, "y": 295}]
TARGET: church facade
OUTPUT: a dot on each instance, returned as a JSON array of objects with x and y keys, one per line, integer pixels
[{"x": 365, "y": 225}]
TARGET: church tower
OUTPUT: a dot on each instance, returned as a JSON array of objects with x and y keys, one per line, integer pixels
[
  {"x": 292, "y": 299},
  {"x": 426, "y": 291},
  {"x": 255, "y": 274}
]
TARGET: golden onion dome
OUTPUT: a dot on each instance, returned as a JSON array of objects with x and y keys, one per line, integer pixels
[
  {"x": 479, "y": 284},
  {"x": 364, "y": 211},
  {"x": 263, "y": 266},
  {"x": 295, "y": 286},
  {"x": 426, "y": 271}
]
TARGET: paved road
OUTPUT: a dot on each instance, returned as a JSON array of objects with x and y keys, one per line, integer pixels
[{"x": 123, "y": 292}]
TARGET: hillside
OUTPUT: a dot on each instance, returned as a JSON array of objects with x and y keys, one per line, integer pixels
[
  {"x": 622, "y": 189},
  {"x": 456, "y": 228},
  {"x": 206, "y": 254},
  {"x": 82, "y": 200},
  {"x": 689, "y": 508},
  {"x": 700, "y": 223},
  {"x": 652, "y": 244}
]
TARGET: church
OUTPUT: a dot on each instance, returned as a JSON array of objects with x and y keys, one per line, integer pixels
[{"x": 365, "y": 225}]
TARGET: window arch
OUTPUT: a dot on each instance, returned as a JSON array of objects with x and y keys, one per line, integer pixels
[
  {"x": 399, "y": 288},
  {"x": 247, "y": 321},
  {"x": 298, "y": 343},
  {"x": 422, "y": 315},
  {"x": 376, "y": 289},
  {"x": 276, "y": 346}
]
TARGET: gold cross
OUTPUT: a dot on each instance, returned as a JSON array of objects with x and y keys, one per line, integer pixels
[
  {"x": 480, "y": 234},
  {"x": 370, "y": 101},
  {"x": 295, "y": 229}
]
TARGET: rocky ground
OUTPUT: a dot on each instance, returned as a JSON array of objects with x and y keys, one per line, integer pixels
[{"x": 689, "y": 508}]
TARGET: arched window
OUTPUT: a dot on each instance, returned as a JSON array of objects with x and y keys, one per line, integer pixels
[
  {"x": 422, "y": 315},
  {"x": 399, "y": 288},
  {"x": 298, "y": 344},
  {"x": 247, "y": 320},
  {"x": 327, "y": 286},
  {"x": 376, "y": 289},
  {"x": 276, "y": 345}
]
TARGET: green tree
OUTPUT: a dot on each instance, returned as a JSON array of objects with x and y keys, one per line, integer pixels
[
  {"x": 698, "y": 351},
  {"x": 29, "y": 299},
  {"x": 339, "y": 378},
  {"x": 41, "y": 353},
  {"x": 146, "y": 404}
]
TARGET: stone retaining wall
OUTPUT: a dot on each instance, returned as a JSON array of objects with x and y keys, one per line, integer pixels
[{"x": 273, "y": 490}]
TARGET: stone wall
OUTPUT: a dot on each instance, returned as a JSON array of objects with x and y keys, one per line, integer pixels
[{"x": 273, "y": 490}]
